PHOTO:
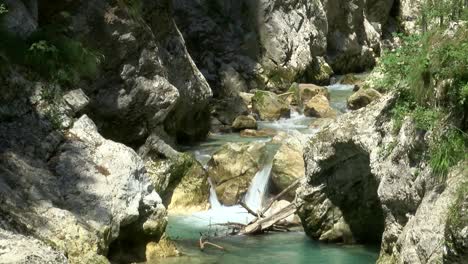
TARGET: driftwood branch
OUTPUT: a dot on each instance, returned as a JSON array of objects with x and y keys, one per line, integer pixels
[{"x": 203, "y": 243}]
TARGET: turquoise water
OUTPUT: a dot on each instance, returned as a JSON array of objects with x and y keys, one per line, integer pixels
[{"x": 278, "y": 248}]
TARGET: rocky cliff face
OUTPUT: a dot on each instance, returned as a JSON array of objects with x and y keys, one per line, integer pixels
[
  {"x": 270, "y": 44},
  {"x": 67, "y": 188},
  {"x": 366, "y": 184}
]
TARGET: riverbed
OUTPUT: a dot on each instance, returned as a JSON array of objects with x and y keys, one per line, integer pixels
[{"x": 292, "y": 247}]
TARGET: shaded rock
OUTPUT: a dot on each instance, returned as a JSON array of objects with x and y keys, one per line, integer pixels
[
  {"x": 288, "y": 163},
  {"x": 362, "y": 98},
  {"x": 228, "y": 109},
  {"x": 232, "y": 179},
  {"x": 269, "y": 106},
  {"x": 319, "y": 106},
  {"x": 267, "y": 132},
  {"x": 244, "y": 122}
]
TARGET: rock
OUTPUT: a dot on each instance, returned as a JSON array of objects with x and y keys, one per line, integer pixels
[
  {"x": 192, "y": 193},
  {"x": 320, "y": 123},
  {"x": 163, "y": 249},
  {"x": 308, "y": 91},
  {"x": 232, "y": 179},
  {"x": 76, "y": 100},
  {"x": 228, "y": 109},
  {"x": 77, "y": 191},
  {"x": 269, "y": 106},
  {"x": 247, "y": 97},
  {"x": 320, "y": 71},
  {"x": 155, "y": 82},
  {"x": 21, "y": 18},
  {"x": 142, "y": 109},
  {"x": 286, "y": 42},
  {"x": 267, "y": 132},
  {"x": 244, "y": 122},
  {"x": 288, "y": 164},
  {"x": 319, "y": 107},
  {"x": 362, "y": 98},
  {"x": 362, "y": 187},
  {"x": 16, "y": 248}
]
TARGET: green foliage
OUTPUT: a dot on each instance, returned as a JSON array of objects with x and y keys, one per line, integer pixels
[
  {"x": 424, "y": 118},
  {"x": 51, "y": 55},
  {"x": 447, "y": 150}
]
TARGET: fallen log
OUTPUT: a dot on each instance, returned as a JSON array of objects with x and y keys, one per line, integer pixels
[
  {"x": 267, "y": 222},
  {"x": 250, "y": 211},
  {"x": 281, "y": 194}
]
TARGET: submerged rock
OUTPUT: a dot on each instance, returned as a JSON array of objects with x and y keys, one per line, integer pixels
[
  {"x": 233, "y": 167},
  {"x": 319, "y": 106},
  {"x": 362, "y": 98},
  {"x": 269, "y": 106},
  {"x": 244, "y": 122}
]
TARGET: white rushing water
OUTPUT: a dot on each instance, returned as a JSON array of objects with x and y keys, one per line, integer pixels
[
  {"x": 219, "y": 214},
  {"x": 256, "y": 193},
  {"x": 214, "y": 202}
]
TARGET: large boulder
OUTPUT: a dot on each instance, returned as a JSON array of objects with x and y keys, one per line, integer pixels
[
  {"x": 269, "y": 106},
  {"x": 288, "y": 163},
  {"x": 362, "y": 98},
  {"x": 78, "y": 192},
  {"x": 365, "y": 184},
  {"x": 319, "y": 106},
  {"x": 147, "y": 81},
  {"x": 232, "y": 179}
]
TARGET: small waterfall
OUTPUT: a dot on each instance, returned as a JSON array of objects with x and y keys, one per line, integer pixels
[
  {"x": 213, "y": 197},
  {"x": 258, "y": 187}
]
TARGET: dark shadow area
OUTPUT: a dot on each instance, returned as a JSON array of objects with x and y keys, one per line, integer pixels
[{"x": 351, "y": 187}]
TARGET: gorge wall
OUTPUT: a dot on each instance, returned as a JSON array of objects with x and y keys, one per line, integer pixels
[{"x": 243, "y": 45}]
